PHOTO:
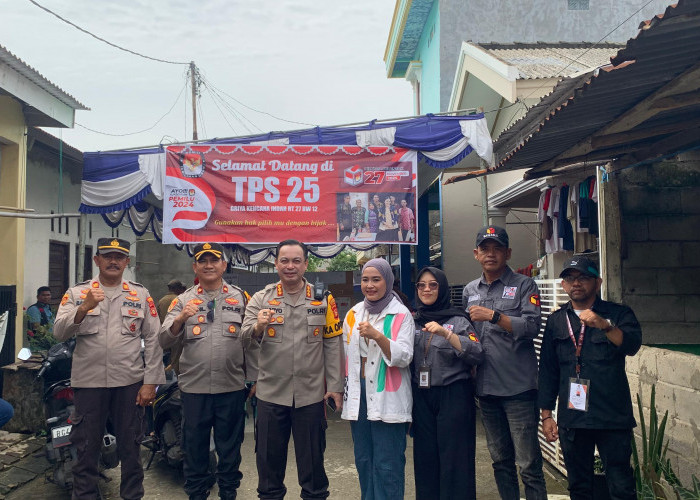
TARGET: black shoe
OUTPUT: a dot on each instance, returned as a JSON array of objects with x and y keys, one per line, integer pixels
[
  {"x": 227, "y": 495},
  {"x": 200, "y": 496}
]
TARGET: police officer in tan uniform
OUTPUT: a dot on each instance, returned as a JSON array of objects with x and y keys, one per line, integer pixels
[
  {"x": 300, "y": 365},
  {"x": 109, "y": 316},
  {"x": 214, "y": 366}
]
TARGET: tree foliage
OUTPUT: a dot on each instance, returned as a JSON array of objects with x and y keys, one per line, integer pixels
[{"x": 344, "y": 261}]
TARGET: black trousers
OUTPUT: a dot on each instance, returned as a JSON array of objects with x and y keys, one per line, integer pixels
[
  {"x": 444, "y": 441},
  {"x": 225, "y": 414},
  {"x": 92, "y": 407},
  {"x": 615, "y": 447},
  {"x": 308, "y": 427}
]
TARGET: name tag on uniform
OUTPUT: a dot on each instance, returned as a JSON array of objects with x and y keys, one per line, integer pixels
[
  {"x": 424, "y": 377},
  {"x": 509, "y": 292},
  {"x": 472, "y": 298},
  {"x": 578, "y": 394}
]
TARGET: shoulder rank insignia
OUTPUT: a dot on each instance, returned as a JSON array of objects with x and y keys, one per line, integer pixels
[
  {"x": 280, "y": 292},
  {"x": 152, "y": 307},
  {"x": 125, "y": 286},
  {"x": 308, "y": 291},
  {"x": 225, "y": 289},
  {"x": 95, "y": 284},
  {"x": 200, "y": 290}
]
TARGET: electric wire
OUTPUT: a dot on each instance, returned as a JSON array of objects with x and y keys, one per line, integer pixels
[
  {"x": 262, "y": 112},
  {"x": 140, "y": 131},
  {"x": 234, "y": 112},
  {"x": 223, "y": 104},
  {"x": 224, "y": 116},
  {"x": 102, "y": 39}
]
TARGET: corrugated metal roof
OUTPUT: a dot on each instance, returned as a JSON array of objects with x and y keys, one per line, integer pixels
[
  {"x": 551, "y": 60},
  {"x": 38, "y": 79},
  {"x": 666, "y": 46}
]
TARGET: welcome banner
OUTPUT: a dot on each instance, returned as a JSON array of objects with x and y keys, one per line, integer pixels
[{"x": 266, "y": 194}]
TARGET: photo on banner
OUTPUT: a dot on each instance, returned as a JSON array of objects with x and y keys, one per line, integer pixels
[{"x": 265, "y": 194}]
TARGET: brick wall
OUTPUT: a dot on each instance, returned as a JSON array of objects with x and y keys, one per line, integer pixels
[
  {"x": 660, "y": 222},
  {"x": 677, "y": 379}
]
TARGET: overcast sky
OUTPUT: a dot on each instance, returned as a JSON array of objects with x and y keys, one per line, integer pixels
[{"x": 318, "y": 62}]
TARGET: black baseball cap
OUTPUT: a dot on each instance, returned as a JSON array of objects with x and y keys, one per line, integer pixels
[
  {"x": 495, "y": 233},
  {"x": 583, "y": 264},
  {"x": 108, "y": 245},
  {"x": 213, "y": 248}
]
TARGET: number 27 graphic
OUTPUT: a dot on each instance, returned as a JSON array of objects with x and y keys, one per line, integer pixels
[{"x": 374, "y": 177}]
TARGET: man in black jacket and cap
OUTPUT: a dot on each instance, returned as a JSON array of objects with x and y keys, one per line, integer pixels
[{"x": 583, "y": 364}]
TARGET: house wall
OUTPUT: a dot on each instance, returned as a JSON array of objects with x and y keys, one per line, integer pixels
[
  {"x": 42, "y": 197},
  {"x": 156, "y": 264},
  {"x": 13, "y": 151},
  {"x": 660, "y": 255},
  {"x": 677, "y": 379},
  {"x": 461, "y": 219},
  {"x": 484, "y": 21},
  {"x": 428, "y": 52}
]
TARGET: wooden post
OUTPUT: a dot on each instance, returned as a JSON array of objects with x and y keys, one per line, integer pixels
[
  {"x": 195, "y": 91},
  {"x": 610, "y": 237}
]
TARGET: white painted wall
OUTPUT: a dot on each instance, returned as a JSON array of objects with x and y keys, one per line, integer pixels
[{"x": 42, "y": 196}]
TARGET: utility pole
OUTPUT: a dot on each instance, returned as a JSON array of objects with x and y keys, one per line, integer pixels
[{"x": 194, "y": 81}]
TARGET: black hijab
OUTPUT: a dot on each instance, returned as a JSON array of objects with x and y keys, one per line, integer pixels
[{"x": 442, "y": 309}]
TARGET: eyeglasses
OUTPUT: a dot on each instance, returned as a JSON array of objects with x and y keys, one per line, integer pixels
[
  {"x": 210, "y": 314},
  {"x": 431, "y": 285},
  {"x": 581, "y": 278}
]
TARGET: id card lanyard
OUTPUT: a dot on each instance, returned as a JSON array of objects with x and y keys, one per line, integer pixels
[
  {"x": 578, "y": 345},
  {"x": 578, "y": 388},
  {"x": 424, "y": 371}
]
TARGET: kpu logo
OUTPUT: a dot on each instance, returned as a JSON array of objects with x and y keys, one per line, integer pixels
[{"x": 353, "y": 175}]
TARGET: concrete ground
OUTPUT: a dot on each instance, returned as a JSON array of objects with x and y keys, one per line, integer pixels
[{"x": 162, "y": 482}]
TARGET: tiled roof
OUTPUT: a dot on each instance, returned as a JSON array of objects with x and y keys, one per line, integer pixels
[
  {"x": 551, "y": 60},
  {"x": 38, "y": 79}
]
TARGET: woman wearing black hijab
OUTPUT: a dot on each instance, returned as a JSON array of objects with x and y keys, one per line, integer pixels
[{"x": 444, "y": 427}]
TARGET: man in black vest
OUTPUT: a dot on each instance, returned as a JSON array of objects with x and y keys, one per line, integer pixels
[{"x": 40, "y": 312}]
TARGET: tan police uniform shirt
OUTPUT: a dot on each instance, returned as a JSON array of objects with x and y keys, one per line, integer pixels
[
  {"x": 108, "y": 340},
  {"x": 213, "y": 359},
  {"x": 301, "y": 352}
]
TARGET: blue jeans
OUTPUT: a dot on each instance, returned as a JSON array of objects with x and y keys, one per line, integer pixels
[
  {"x": 511, "y": 435},
  {"x": 379, "y": 455},
  {"x": 6, "y": 412}
]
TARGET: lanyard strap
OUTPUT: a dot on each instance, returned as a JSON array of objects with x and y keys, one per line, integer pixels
[
  {"x": 578, "y": 345},
  {"x": 427, "y": 346}
]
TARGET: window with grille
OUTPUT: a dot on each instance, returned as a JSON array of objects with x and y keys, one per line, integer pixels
[{"x": 578, "y": 4}]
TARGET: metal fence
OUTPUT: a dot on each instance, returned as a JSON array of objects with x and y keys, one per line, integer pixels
[{"x": 551, "y": 296}]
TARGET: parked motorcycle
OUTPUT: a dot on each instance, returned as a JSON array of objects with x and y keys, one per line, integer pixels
[
  {"x": 166, "y": 424},
  {"x": 58, "y": 404}
]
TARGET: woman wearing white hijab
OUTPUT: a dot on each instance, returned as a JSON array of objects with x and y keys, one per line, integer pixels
[{"x": 378, "y": 334}]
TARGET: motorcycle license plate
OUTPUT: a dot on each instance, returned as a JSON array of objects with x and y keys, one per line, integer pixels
[{"x": 60, "y": 436}]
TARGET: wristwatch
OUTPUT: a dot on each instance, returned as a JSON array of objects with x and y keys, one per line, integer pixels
[
  {"x": 495, "y": 318},
  {"x": 609, "y": 327}
]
